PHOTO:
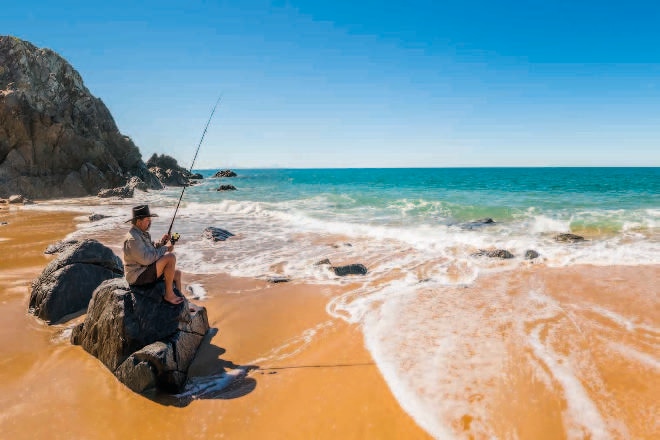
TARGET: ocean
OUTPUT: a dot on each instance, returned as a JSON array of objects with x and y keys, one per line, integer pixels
[{"x": 442, "y": 346}]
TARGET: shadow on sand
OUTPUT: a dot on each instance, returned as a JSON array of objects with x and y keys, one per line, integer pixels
[{"x": 210, "y": 377}]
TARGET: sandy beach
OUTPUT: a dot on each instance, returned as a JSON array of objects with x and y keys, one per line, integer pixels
[
  {"x": 314, "y": 380},
  {"x": 310, "y": 375}
]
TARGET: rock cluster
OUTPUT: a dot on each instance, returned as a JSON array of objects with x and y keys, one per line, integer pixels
[
  {"x": 146, "y": 342},
  {"x": 225, "y": 173}
]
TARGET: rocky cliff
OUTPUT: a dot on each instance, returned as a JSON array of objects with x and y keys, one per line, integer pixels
[{"x": 56, "y": 139}]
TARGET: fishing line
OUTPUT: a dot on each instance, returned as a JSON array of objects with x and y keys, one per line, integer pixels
[{"x": 191, "y": 166}]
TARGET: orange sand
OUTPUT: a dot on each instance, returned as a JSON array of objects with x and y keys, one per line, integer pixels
[
  {"x": 314, "y": 377},
  {"x": 50, "y": 389}
]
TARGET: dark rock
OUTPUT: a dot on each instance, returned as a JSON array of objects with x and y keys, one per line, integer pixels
[
  {"x": 216, "y": 234},
  {"x": 226, "y": 188},
  {"x": 66, "y": 284},
  {"x": 196, "y": 176},
  {"x": 351, "y": 269},
  {"x": 137, "y": 183},
  {"x": 123, "y": 192},
  {"x": 477, "y": 223},
  {"x": 56, "y": 139},
  {"x": 531, "y": 254},
  {"x": 3, "y": 223},
  {"x": 323, "y": 262},
  {"x": 144, "y": 341},
  {"x": 96, "y": 217},
  {"x": 568, "y": 238},
  {"x": 497, "y": 253},
  {"x": 59, "y": 246},
  {"x": 276, "y": 280},
  {"x": 16, "y": 198},
  {"x": 171, "y": 177},
  {"x": 225, "y": 173}
]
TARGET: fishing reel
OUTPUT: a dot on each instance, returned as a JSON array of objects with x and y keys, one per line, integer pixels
[{"x": 174, "y": 238}]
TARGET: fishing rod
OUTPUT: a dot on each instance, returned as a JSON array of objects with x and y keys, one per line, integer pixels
[{"x": 176, "y": 237}]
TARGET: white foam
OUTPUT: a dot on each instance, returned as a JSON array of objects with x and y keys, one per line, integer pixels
[
  {"x": 196, "y": 291},
  {"x": 630, "y": 353}
]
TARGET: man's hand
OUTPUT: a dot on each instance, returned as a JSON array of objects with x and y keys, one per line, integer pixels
[
  {"x": 165, "y": 239},
  {"x": 170, "y": 247}
]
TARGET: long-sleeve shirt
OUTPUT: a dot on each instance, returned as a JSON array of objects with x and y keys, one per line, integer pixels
[{"x": 139, "y": 252}]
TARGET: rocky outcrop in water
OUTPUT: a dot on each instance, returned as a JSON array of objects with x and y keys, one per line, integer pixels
[
  {"x": 568, "y": 238},
  {"x": 66, "y": 284},
  {"x": 216, "y": 234},
  {"x": 496, "y": 253},
  {"x": 225, "y": 173},
  {"x": 56, "y": 139}
]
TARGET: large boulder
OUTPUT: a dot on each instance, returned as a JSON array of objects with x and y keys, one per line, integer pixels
[
  {"x": 66, "y": 284},
  {"x": 146, "y": 342},
  {"x": 56, "y": 138}
]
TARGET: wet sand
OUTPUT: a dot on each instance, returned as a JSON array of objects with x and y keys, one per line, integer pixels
[
  {"x": 314, "y": 377},
  {"x": 579, "y": 359}
]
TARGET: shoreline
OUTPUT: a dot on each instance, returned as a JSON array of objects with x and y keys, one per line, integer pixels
[
  {"x": 553, "y": 352},
  {"x": 318, "y": 382}
]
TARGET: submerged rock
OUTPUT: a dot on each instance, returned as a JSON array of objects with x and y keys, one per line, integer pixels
[
  {"x": 350, "y": 269},
  {"x": 477, "y": 223},
  {"x": 66, "y": 284},
  {"x": 216, "y": 234},
  {"x": 143, "y": 340},
  {"x": 96, "y": 217},
  {"x": 568, "y": 238},
  {"x": 226, "y": 188},
  {"x": 497, "y": 253},
  {"x": 531, "y": 254}
]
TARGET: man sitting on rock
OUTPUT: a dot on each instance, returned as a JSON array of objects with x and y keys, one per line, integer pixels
[{"x": 146, "y": 262}]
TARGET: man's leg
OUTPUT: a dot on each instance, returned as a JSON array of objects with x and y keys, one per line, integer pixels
[
  {"x": 166, "y": 266},
  {"x": 177, "y": 280}
]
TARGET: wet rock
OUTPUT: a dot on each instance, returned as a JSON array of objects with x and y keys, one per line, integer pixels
[
  {"x": 568, "y": 238},
  {"x": 196, "y": 176},
  {"x": 123, "y": 192},
  {"x": 59, "y": 246},
  {"x": 96, "y": 217},
  {"x": 66, "y": 284},
  {"x": 216, "y": 234},
  {"x": 143, "y": 340},
  {"x": 351, "y": 269},
  {"x": 497, "y": 253},
  {"x": 225, "y": 173},
  {"x": 16, "y": 199},
  {"x": 226, "y": 188},
  {"x": 278, "y": 279},
  {"x": 531, "y": 254},
  {"x": 477, "y": 223}
]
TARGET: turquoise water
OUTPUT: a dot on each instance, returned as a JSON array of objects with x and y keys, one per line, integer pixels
[
  {"x": 600, "y": 199},
  {"x": 434, "y": 338}
]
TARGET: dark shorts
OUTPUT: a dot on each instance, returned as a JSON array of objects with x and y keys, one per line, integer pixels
[{"x": 148, "y": 276}]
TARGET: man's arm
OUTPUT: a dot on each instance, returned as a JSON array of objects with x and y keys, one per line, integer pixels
[{"x": 142, "y": 253}]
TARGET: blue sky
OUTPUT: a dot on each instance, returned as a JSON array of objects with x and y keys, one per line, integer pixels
[{"x": 368, "y": 84}]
